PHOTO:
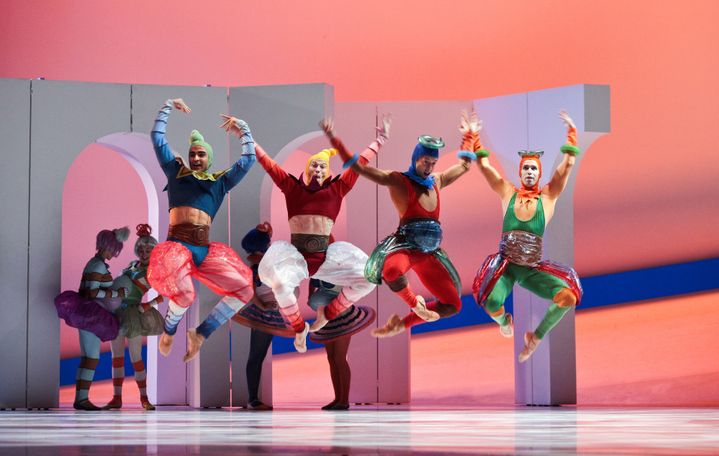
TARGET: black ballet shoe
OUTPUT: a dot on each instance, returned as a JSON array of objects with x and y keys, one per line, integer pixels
[
  {"x": 330, "y": 405},
  {"x": 85, "y": 404},
  {"x": 339, "y": 406},
  {"x": 258, "y": 405}
]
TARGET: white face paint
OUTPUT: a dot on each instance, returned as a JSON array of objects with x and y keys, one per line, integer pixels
[
  {"x": 529, "y": 174},
  {"x": 319, "y": 169}
]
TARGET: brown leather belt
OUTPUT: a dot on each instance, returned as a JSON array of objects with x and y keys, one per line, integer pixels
[
  {"x": 521, "y": 247},
  {"x": 310, "y": 243},
  {"x": 191, "y": 233}
]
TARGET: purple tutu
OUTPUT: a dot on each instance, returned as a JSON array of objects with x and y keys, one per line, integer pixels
[{"x": 86, "y": 314}]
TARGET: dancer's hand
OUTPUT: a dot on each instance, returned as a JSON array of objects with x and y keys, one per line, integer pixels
[
  {"x": 328, "y": 125},
  {"x": 180, "y": 105},
  {"x": 234, "y": 125},
  {"x": 383, "y": 129},
  {"x": 469, "y": 123},
  {"x": 567, "y": 120}
]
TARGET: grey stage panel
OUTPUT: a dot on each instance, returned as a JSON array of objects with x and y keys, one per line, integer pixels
[
  {"x": 207, "y": 377},
  {"x": 355, "y": 124},
  {"x": 14, "y": 205},
  {"x": 66, "y": 117},
  {"x": 411, "y": 119},
  {"x": 549, "y": 377},
  {"x": 279, "y": 117}
]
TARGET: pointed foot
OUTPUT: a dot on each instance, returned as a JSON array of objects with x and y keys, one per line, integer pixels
[
  {"x": 194, "y": 342},
  {"x": 508, "y": 329},
  {"x": 301, "y": 339},
  {"x": 420, "y": 308},
  {"x": 164, "y": 345},
  {"x": 320, "y": 321},
  {"x": 531, "y": 342},
  {"x": 394, "y": 326}
]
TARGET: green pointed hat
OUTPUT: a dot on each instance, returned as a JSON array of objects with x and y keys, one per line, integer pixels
[{"x": 196, "y": 139}]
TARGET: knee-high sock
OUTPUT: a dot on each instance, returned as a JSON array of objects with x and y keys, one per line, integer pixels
[
  {"x": 337, "y": 306},
  {"x": 135, "y": 349},
  {"x": 289, "y": 309},
  {"x": 90, "y": 348},
  {"x": 85, "y": 374},
  {"x": 118, "y": 375},
  {"x": 222, "y": 312},
  {"x": 140, "y": 377},
  {"x": 551, "y": 318},
  {"x": 117, "y": 347},
  {"x": 173, "y": 317}
]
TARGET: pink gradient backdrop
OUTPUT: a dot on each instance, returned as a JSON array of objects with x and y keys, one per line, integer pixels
[{"x": 660, "y": 59}]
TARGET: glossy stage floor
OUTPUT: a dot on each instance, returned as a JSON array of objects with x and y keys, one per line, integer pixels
[{"x": 364, "y": 430}]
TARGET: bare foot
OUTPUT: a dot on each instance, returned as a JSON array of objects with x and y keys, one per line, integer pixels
[
  {"x": 165, "y": 344},
  {"x": 194, "y": 342},
  {"x": 531, "y": 342},
  {"x": 394, "y": 326},
  {"x": 422, "y": 311}
]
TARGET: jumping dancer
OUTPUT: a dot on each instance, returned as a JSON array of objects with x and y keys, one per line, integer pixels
[
  {"x": 416, "y": 243},
  {"x": 313, "y": 203},
  {"x": 195, "y": 196},
  {"x": 527, "y": 211}
]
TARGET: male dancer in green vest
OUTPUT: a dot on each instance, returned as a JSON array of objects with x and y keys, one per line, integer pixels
[{"x": 527, "y": 211}]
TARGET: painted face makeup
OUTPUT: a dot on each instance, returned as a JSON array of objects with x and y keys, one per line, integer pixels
[
  {"x": 319, "y": 169},
  {"x": 529, "y": 174}
]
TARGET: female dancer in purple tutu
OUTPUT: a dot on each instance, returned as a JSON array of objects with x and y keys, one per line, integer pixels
[{"x": 90, "y": 310}]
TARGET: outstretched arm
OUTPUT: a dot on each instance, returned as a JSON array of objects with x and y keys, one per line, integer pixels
[
  {"x": 494, "y": 179},
  {"x": 279, "y": 176},
  {"x": 453, "y": 173},
  {"x": 356, "y": 162},
  {"x": 469, "y": 126},
  {"x": 561, "y": 174},
  {"x": 239, "y": 128},
  {"x": 162, "y": 149}
]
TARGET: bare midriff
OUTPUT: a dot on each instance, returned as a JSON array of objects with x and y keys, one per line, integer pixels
[
  {"x": 187, "y": 214},
  {"x": 311, "y": 224}
]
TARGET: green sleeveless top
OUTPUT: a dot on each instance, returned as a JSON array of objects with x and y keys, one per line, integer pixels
[{"x": 534, "y": 225}]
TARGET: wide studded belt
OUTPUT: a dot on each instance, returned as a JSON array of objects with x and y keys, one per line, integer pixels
[
  {"x": 191, "y": 233},
  {"x": 521, "y": 247},
  {"x": 310, "y": 243}
]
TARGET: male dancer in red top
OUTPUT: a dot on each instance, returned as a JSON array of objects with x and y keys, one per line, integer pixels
[
  {"x": 313, "y": 203},
  {"x": 415, "y": 245}
]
